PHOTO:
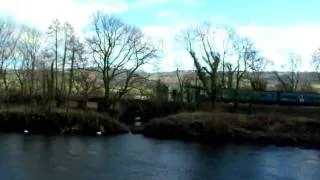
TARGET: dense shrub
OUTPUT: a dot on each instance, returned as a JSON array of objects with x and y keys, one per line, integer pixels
[{"x": 80, "y": 122}]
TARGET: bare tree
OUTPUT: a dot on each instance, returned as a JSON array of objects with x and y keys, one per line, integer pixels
[
  {"x": 29, "y": 46},
  {"x": 227, "y": 51},
  {"x": 8, "y": 41},
  {"x": 201, "y": 39},
  {"x": 183, "y": 78},
  {"x": 294, "y": 66},
  {"x": 181, "y": 82},
  {"x": 290, "y": 81},
  {"x": 118, "y": 50},
  {"x": 245, "y": 52},
  {"x": 19, "y": 67},
  {"x": 230, "y": 70},
  {"x": 77, "y": 59},
  {"x": 46, "y": 64},
  {"x": 54, "y": 31},
  {"x": 85, "y": 84},
  {"x": 258, "y": 67},
  {"x": 68, "y": 35},
  {"x": 306, "y": 86},
  {"x": 316, "y": 63}
]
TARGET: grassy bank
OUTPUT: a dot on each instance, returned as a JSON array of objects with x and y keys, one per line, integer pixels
[
  {"x": 59, "y": 122},
  {"x": 226, "y": 127}
]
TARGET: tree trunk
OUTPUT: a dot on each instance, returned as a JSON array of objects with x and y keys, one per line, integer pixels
[
  {"x": 32, "y": 77},
  {"x": 70, "y": 79},
  {"x": 223, "y": 82},
  {"x": 63, "y": 67},
  {"x": 44, "y": 84},
  {"x": 213, "y": 91},
  {"x": 236, "y": 104},
  {"x": 106, "y": 91},
  {"x": 50, "y": 86},
  {"x": 56, "y": 61},
  {"x": 105, "y": 105},
  {"x": 6, "y": 95}
]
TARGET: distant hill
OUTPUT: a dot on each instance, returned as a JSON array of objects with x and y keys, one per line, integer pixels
[{"x": 170, "y": 78}]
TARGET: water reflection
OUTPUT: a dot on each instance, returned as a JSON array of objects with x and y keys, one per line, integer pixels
[{"x": 136, "y": 157}]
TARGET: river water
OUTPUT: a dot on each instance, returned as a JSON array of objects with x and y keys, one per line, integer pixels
[{"x": 136, "y": 157}]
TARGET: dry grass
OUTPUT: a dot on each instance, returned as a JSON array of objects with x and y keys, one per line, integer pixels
[
  {"x": 91, "y": 106},
  {"x": 226, "y": 127}
]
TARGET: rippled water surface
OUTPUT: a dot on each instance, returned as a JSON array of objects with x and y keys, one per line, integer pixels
[{"x": 135, "y": 157}]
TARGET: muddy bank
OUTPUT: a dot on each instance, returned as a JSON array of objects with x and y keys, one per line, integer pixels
[
  {"x": 224, "y": 127},
  {"x": 75, "y": 123}
]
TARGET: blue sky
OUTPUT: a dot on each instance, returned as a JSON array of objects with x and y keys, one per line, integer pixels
[
  {"x": 277, "y": 27},
  {"x": 270, "y": 12}
]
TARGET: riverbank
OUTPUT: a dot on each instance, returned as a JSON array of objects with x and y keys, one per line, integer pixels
[
  {"x": 60, "y": 122},
  {"x": 225, "y": 127}
]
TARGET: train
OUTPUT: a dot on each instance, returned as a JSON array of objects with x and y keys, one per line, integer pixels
[{"x": 270, "y": 97}]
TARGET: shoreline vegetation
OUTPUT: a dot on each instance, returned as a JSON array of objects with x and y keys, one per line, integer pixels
[
  {"x": 267, "y": 125},
  {"x": 60, "y": 123},
  {"x": 219, "y": 128}
]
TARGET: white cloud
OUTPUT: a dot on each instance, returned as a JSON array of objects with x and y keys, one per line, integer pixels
[
  {"x": 165, "y": 14},
  {"x": 40, "y": 13},
  {"x": 171, "y": 48},
  {"x": 274, "y": 42},
  {"x": 144, "y": 3},
  {"x": 277, "y": 42}
]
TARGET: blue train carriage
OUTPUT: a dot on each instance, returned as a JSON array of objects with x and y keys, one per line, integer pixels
[
  {"x": 227, "y": 95},
  {"x": 247, "y": 96},
  {"x": 244, "y": 96},
  {"x": 268, "y": 97},
  {"x": 271, "y": 97},
  {"x": 299, "y": 98},
  {"x": 263, "y": 97},
  {"x": 312, "y": 99},
  {"x": 289, "y": 98}
]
